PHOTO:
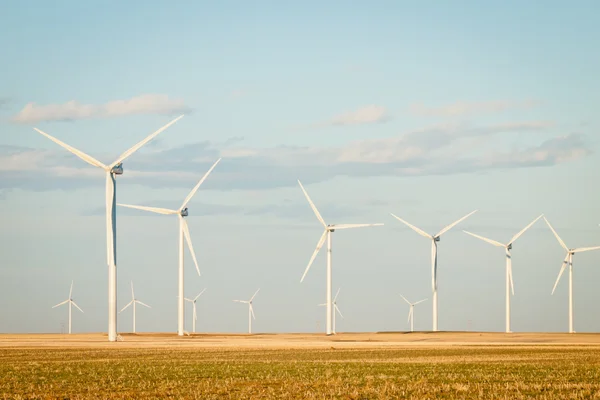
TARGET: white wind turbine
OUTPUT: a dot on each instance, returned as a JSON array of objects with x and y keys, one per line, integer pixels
[
  {"x": 509, "y": 276},
  {"x": 411, "y": 312},
  {"x": 133, "y": 303},
  {"x": 335, "y": 308},
  {"x": 184, "y": 232},
  {"x": 329, "y": 229},
  {"x": 195, "y": 316},
  {"x": 250, "y": 310},
  {"x": 70, "y": 301},
  {"x": 434, "y": 239},
  {"x": 568, "y": 261},
  {"x": 112, "y": 170}
]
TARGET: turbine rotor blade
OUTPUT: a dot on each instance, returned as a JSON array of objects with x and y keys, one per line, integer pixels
[
  {"x": 510, "y": 278},
  {"x": 157, "y": 210},
  {"x": 138, "y": 145},
  {"x": 408, "y": 302},
  {"x": 144, "y": 304},
  {"x": 564, "y": 246},
  {"x": 254, "y": 295},
  {"x": 87, "y": 158},
  {"x": 336, "y": 295},
  {"x": 490, "y": 241},
  {"x": 199, "y": 294},
  {"x": 124, "y": 308},
  {"x": 414, "y": 228},
  {"x": 583, "y": 249},
  {"x": 60, "y": 304},
  {"x": 338, "y": 310},
  {"x": 409, "y": 314},
  {"x": 312, "y": 205},
  {"x": 195, "y": 189},
  {"x": 452, "y": 225},
  {"x": 71, "y": 290},
  {"x": 75, "y": 304},
  {"x": 132, "y": 294},
  {"x": 314, "y": 255},
  {"x": 252, "y": 311},
  {"x": 518, "y": 235},
  {"x": 420, "y": 301},
  {"x": 562, "y": 269},
  {"x": 349, "y": 226},
  {"x": 188, "y": 240}
]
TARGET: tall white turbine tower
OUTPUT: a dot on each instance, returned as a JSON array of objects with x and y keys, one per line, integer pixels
[
  {"x": 568, "y": 261},
  {"x": 411, "y": 312},
  {"x": 184, "y": 232},
  {"x": 195, "y": 315},
  {"x": 250, "y": 309},
  {"x": 133, "y": 303},
  {"x": 335, "y": 308},
  {"x": 111, "y": 170},
  {"x": 509, "y": 276},
  {"x": 434, "y": 239},
  {"x": 70, "y": 301},
  {"x": 329, "y": 229}
]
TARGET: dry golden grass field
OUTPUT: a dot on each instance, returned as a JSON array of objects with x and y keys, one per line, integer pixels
[{"x": 301, "y": 366}]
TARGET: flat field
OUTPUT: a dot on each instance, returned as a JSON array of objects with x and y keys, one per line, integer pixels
[{"x": 301, "y": 366}]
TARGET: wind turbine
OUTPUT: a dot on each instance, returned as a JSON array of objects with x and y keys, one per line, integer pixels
[
  {"x": 195, "y": 317},
  {"x": 132, "y": 303},
  {"x": 70, "y": 301},
  {"x": 434, "y": 239},
  {"x": 184, "y": 232},
  {"x": 112, "y": 170},
  {"x": 568, "y": 260},
  {"x": 250, "y": 310},
  {"x": 509, "y": 277},
  {"x": 329, "y": 229},
  {"x": 335, "y": 308},
  {"x": 411, "y": 312}
]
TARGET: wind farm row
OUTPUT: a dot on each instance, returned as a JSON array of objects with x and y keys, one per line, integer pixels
[{"x": 116, "y": 168}]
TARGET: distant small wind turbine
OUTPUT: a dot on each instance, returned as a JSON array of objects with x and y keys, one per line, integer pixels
[
  {"x": 70, "y": 301},
  {"x": 111, "y": 170},
  {"x": 329, "y": 229},
  {"x": 133, "y": 303},
  {"x": 411, "y": 312},
  {"x": 335, "y": 308},
  {"x": 250, "y": 309},
  {"x": 195, "y": 316},
  {"x": 434, "y": 239},
  {"x": 184, "y": 232},
  {"x": 509, "y": 276},
  {"x": 568, "y": 261}
]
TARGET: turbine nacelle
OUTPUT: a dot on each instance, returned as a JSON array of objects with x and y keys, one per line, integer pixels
[
  {"x": 184, "y": 212},
  {"x": 509, "y": 246},
  {"x": 117, "y": 169},
  {"x": 436, "y": 238}
]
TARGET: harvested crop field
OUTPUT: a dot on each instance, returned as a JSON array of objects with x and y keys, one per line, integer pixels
[{"x": 344, "y": 367}]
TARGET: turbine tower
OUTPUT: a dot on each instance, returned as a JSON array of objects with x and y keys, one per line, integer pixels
[
  {"x": 434, "y": 239},
  {"x": 568, "y": 261},
  {"x": 509, "y": 276},
  {"x": 329, "y": 229},
  {"x": 250, "y": 310},
  {"x": 70, "y": 301},
  {"x": 111, "y": 170},
  {"x": 133, "y": 303},
  {"x": 195, "y": 316},
  {"x": 335, "y": 308},
  {"x": 184, "y": 232},
  {"x": 411, "y": 312}
]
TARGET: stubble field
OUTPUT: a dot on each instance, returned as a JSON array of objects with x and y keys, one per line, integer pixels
[{"x": 346, "y": 366}]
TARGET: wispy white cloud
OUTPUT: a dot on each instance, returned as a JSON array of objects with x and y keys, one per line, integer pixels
[
  {"x": 461, "y": 108},
  {"x": 73, "y": 110},
  {"x": 365, "y": 115},
  {"x": 435, "y": 150}
]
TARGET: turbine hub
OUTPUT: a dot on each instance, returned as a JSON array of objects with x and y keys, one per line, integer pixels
[
  {"x": 117, "y": 169},
  {"x": 437, "y": 238},
  {"x": 184, "y": 212},
  {"x": 509, "y": 246}
]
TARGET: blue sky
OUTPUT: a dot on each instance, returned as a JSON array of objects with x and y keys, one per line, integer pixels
[{"x": 424, "y": 109}]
